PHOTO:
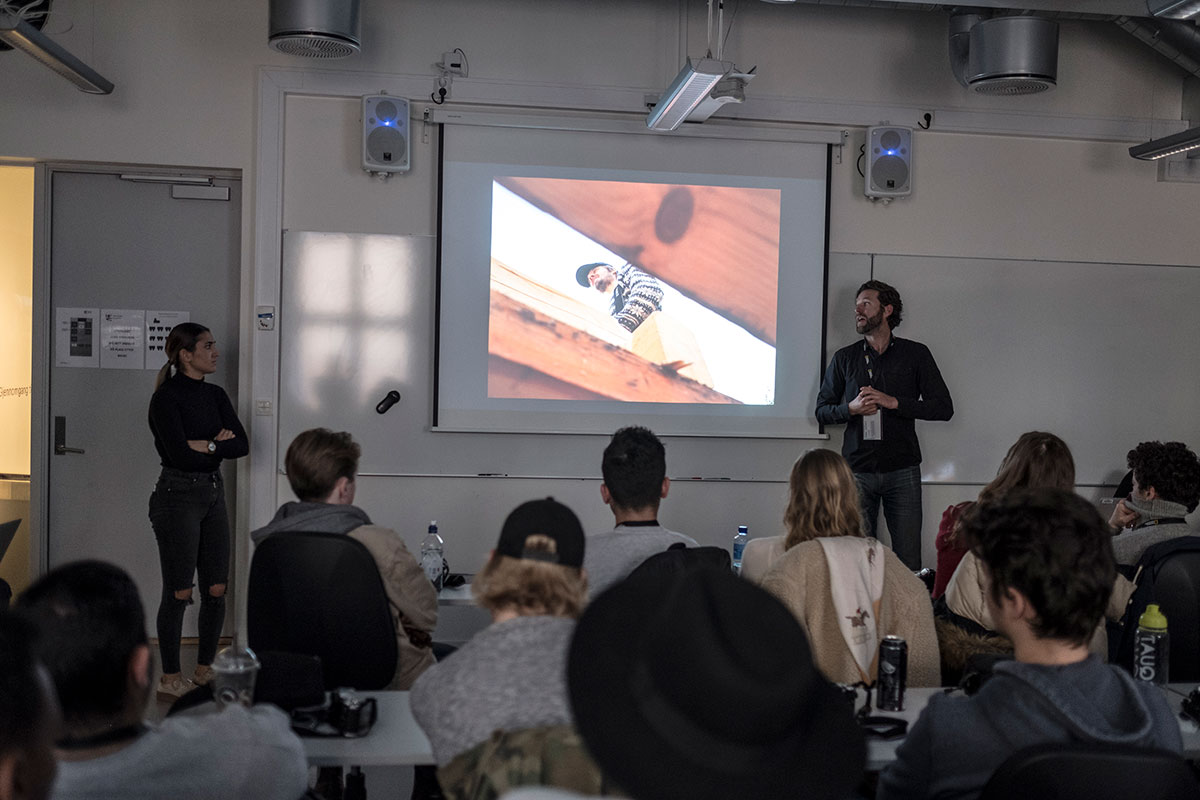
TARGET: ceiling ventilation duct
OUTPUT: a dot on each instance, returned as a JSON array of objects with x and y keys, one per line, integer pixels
[
  {"x": 315, "y": 28},
  {"x": 1009, "y": 55}
]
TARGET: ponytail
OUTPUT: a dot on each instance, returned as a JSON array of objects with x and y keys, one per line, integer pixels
[{"x": 182, "y": 337}]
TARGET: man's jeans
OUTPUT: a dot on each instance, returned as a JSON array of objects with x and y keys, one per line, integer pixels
[{"x": 900, "y": 492}]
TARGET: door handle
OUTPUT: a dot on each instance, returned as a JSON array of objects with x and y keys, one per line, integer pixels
[{"x": 60, "y": 438}]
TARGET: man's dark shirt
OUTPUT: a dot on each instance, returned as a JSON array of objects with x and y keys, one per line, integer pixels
[{"x": 905, "y": 370}]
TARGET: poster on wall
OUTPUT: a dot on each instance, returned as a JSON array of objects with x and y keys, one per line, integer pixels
[
  {"x": 158, "y": 325},
  {"x": 76, "y": 341},
  {"x": 121, "y": 335}
]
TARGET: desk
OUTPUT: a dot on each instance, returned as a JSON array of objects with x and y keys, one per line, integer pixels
[
  {"x": 880, "y": 753},
  {"x": 395, "y": 740},
  {"x": 458, "y": 596}
]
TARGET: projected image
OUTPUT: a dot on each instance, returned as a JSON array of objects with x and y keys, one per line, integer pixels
[{"x": 636, "y": 292}]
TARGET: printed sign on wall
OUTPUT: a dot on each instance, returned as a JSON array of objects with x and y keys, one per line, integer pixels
[
  {"x": 76, "y": 341},
  {"x": 121, "y": 333}
]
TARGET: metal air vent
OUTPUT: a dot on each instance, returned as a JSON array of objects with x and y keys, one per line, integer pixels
[
  {"x": 1005, "y": 56},
  {"x": 315, "y": 28}
]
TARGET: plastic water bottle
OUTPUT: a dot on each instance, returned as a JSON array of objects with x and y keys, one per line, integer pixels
[
  {"x": 1151, "y": 653},
  {"x": 432, "y": 555},
  {"x": 739, "y": 544}
]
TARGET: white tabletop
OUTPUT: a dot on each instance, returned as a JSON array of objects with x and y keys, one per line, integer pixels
[
  {"x": 397, "y": 740},
  {"x": 458, "y": 596}
]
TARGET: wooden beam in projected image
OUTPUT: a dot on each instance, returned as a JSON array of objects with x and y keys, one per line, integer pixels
[
  {"x": 570, "y": 364},
  {"x": 718, "y": 245}
]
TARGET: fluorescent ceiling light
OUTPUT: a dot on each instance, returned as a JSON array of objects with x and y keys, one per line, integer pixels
[
  {"x": 1174, "y": 9},
  {"x": 1167, "y": 146},
  {"x": 688, "y": 90},
  {"x": 18, "y": 33}
]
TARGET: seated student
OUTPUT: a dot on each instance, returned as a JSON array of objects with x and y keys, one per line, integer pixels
[
  {"x": 92, "y": 639},
  {"x": 321, "y": 468},
  {"x": 29, "y": 716},
  {"x": 1166, "y": 487},
  {"x": 635, "y": 481},
  {"x": 1035, "y": 459},
  {"x": 809, "y": 515},
  {"x": 849, "y": 591},
  {"x": 511, "y": 675},
  {"x": 1049, "y": 570},
  {"x": 672, "y": 708}
]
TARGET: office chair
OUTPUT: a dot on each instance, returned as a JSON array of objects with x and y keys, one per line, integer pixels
[
  {"x": 1095, "y": 772},
  {"x": 321, "y": 594},
  {"x": 1170, "y": 577}
]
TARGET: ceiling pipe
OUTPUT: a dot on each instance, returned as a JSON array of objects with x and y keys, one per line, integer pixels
[{"x": 1178, "y": 42}]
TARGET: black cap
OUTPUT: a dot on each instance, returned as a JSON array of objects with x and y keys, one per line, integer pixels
[
  {"x": 548, "y": 518},
  {"x": 581, "y": 274}
]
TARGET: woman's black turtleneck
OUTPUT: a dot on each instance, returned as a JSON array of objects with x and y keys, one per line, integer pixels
[{"x": 185, "y": 408}]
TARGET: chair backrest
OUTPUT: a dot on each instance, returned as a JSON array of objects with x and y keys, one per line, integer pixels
[
  {"x": 680, "y": 558},
  {"x": 321, "y": 594},
  {"x": 1169, "y": 576},
  {"x": 1093, "y": 772}
]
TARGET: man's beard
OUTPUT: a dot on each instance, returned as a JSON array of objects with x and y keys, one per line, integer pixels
[{"x": 869, "y": 324}]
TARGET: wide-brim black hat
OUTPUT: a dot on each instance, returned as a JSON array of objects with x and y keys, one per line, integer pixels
[{"x": 703, "y": 686}]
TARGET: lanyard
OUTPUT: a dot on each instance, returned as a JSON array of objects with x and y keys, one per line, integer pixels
[{"x": 870, "y": 359}]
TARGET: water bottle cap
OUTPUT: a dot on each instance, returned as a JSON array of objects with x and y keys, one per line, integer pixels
[
  {"x": 432, "y": 525},
  {"x": 1152, "y": 619},
  {"x": 743, "y": 529}
]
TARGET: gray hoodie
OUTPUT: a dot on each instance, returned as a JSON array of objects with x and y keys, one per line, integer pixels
[
  {"x": 958, "y": 742},
  {"x": 316, "y": 517}
]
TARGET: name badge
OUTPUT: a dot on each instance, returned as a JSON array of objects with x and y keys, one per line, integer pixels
[{"x": 873, "y": 426}]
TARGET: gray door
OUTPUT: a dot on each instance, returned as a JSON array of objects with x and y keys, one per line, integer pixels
[{"x": 121, "y": 244}]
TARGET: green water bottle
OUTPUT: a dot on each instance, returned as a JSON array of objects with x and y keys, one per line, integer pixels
[{"x": 1151, "y": 647}]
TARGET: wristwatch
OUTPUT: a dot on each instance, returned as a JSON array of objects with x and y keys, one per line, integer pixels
[{"x": 212, "y": 446}]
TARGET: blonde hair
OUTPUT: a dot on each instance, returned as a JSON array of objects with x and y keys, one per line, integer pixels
[
  {"x": 531, "y": 587},
  {"x": 184, "y": 336},
  {"x": 1036, "y": 460},
  {"x": 823, "y": 499}
]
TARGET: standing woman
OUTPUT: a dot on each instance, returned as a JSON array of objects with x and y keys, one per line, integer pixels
[{"x": 194, "y": 427}]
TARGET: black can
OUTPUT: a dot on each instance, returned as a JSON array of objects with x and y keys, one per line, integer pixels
[{"x": 893, "y": 674}]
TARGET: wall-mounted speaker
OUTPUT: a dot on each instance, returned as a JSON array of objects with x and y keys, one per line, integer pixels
[
  {"x": 889, "y": 161},
  {"x": 385, "y": 135}
]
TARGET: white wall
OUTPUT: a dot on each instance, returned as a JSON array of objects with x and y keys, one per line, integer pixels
[{"x": 1030, "y": 178}]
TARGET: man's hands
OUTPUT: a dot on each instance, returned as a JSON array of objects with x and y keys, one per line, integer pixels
[
  {"x": 870, "y": 400},
  {"x": 1122, "y": 517}
]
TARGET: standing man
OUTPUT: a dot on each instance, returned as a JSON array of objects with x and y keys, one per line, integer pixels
[
  {"x": 878, "y": 387},
  {"x": 635, "y": 294}
]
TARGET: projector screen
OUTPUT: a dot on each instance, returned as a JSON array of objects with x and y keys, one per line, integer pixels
[{"x": 589, "y": 280}]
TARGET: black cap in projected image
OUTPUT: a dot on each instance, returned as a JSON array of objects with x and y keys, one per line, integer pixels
[{"x": 581, "y": 274}]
